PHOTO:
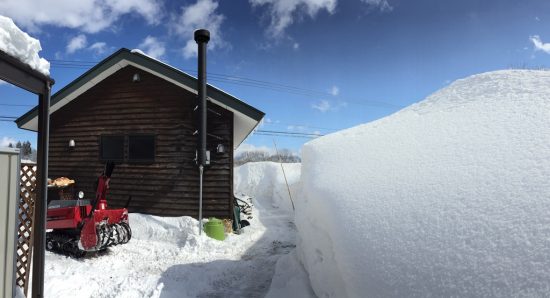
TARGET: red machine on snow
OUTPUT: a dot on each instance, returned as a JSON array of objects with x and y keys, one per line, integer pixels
[{"x": 80, "y": 226}]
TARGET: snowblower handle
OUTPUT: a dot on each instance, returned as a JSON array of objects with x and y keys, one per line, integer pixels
[
  {"x": 100, "y": 201},
  {"x": 109, "y": 167}
]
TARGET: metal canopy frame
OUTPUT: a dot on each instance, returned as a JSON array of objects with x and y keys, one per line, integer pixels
[{"x": 22, "y": 75}]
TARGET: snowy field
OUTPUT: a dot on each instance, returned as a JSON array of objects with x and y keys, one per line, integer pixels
[{"x": 167, "y": 258}]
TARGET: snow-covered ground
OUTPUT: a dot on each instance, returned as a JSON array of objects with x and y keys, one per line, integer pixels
[
  {"x": 20, "y": 45},
  {"x": 446, "y": 198},
  {"x": 167, "y": 258}
]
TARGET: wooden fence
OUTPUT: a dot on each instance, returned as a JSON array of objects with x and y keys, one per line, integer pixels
[{"x": 26, "y": 218}]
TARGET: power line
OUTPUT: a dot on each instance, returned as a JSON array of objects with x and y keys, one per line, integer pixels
[
  {"x": 231, "y": 78},
  {"x": 15, "y": 105},
  {"x": 281, "y": 135},
  {"x": 242, "y": 81},
  {"x": 288, "y": 132},
  {"x": 300, "y": 126},
  {"x": 227, "y": 79}
]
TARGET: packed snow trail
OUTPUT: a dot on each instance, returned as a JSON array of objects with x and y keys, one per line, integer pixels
[{"x": 167, "y": 258}]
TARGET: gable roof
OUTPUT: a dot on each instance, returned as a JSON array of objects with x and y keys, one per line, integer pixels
[{"x": 245, "y": 119}]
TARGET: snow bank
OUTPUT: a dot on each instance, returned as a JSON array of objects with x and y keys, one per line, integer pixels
[
  {"x": 265, "y": 181},
  {"x": 449, "y": 197},
  {"x": 20, "y": 45}
]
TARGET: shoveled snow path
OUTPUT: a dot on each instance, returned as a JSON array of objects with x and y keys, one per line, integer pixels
[{"x": 167, "y": 258}]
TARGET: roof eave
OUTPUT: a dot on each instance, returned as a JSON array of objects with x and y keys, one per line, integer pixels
[{"x": 155, "y": 66}]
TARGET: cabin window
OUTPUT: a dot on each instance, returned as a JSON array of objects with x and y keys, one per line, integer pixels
[
  {"x": 141, "y": 148},
  {"x": 112, "y": 148}
]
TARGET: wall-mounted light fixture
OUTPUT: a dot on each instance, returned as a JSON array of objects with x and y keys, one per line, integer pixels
[
  {"x": 220, "y": 149},
  {"x": 72, "y": 144},
  {"x": 136, "y": 78}
]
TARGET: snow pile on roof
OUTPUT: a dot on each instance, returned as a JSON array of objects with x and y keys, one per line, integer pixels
[
  {"x": 265, "y": 180},
  {"x": 20, "y": 45},
  {"x": 449, "y": 197}
]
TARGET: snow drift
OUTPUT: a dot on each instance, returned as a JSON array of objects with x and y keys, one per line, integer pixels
[
  {"x": 449, "y": 197},
  {"x": 20, "y": 45}
]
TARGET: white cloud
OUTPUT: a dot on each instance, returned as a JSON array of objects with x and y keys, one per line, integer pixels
[
  {"x": 98, "y": 47},
  {"x": 2, "y": 83},
  {"x": 296, "y": 46},
  {"x": 325, "y": 106},
  {"x": 201, "y": 15},
  {"x": 152, "y": 47},
  {"x": 77, "y": 43},
  {"x": 299, "y": 128},
  {"x": 382, "y": 5},
  {"x": 539, "y": 45},
  {"x": 284, "y": 13},
  {"x": 334, "y": 91},
  {"x": 322, "y": 106},
  {"x": 90, "y": 16},
  {"x": 5, "y": 141}
]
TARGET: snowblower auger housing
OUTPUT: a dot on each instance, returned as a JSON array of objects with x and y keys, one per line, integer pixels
[{"x": 80, "y": 226}]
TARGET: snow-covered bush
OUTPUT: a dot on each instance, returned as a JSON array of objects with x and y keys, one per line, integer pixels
[{"x": 449, "y": 197}]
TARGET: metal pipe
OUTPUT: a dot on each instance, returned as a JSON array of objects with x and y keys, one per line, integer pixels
[
  {"x": 41, "y": 200},
  {"x": 201, "y": 171},
  {"x": 202, "y": 36}
]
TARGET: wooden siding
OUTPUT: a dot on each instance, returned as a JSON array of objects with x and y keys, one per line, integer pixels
[{"x": 169, "y": 185}]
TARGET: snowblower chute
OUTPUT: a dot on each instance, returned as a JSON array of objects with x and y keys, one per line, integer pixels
[{"x": 80, "y": 226}]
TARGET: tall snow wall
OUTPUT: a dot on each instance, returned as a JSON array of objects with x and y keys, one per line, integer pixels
[{"x": 448, "y": 197}]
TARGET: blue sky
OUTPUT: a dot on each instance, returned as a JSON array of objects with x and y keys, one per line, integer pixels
[{"x": 341, "y": 63}]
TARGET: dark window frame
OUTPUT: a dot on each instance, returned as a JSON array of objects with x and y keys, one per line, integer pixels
[
  {"x": 123, "y": 147},
  {"x": 135, "y": 160},
  {"x": 126, "y": 148}
]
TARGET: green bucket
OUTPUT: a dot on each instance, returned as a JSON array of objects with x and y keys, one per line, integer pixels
[{"x": 214, "y": 228}]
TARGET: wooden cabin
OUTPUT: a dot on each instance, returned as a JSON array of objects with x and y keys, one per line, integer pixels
[{"x": 140, "y": 113}]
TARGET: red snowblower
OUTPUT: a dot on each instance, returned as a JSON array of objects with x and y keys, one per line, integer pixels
[{"x": 80, "y": 226}]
